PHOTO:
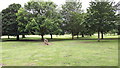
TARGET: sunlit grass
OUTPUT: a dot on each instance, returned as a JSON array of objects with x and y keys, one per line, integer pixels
[{"x": 64, "y": 52}]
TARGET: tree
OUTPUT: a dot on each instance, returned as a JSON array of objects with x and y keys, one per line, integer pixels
[
  {"x": 9, "y": 20},
  {"x": 79, "y": 23},
  {"x": 54, "y": 27},
  {"x": 88, "y": 27},
  {"x": 41, "y": 16},
  {"x": 118, "y": 24},
  {"x": 0, "y": 25},
  {"x": 101, "y": 16},
  {"x": 23, "y": 18},
  {"x": 71, "y": 12}
]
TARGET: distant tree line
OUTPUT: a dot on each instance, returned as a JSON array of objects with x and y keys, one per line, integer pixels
[{"x": 41, "y": 18}]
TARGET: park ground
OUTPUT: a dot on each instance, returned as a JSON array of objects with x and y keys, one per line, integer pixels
[{"x": 62, "y": 51}]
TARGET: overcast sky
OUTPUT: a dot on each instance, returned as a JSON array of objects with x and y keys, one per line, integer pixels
[{"x": 5, "y": 3}]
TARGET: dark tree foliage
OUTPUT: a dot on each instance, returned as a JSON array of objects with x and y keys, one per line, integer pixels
[
  {"x": 101, "y": 16},
  {"x": 9, "y": 20},
  {"x": 45, "y": 19},
  {"x": 72, "y": 17}
]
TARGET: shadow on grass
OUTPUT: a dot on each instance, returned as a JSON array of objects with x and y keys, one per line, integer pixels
[{"x": 57, "y": 39}]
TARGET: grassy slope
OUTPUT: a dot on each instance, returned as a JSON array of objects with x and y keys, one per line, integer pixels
[{"x": 63, "y": 52}]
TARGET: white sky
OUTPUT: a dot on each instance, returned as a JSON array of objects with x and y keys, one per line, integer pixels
[{"x": 5, "y": 3}]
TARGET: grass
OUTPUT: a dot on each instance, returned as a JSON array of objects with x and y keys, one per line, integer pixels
[{"x": 61, "y": 52}]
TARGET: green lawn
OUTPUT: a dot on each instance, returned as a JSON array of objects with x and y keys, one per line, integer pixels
[{"x": 61, "y": 52}]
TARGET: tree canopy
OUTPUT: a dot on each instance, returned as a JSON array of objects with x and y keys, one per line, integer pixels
[
  {"x": 9, "y": 20},
  {"x": 72, "y": 16},
  {"x": 41, "y": 18},
  {"x": 101, "y": 16}
]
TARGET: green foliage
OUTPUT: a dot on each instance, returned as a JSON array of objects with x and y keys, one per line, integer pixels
[
  {"x": 72, "y": 15},
  {"x": 101, "y": 16},
  {"x": 88, "y": 28},
  {"x": 41, "y": 18},
  {"x": 9, "y": 20},
  {"x": 23, "y": 19},
  {"x": 0, "y": 25},
  {"x": 118, "y": 24},
  {"x": 45, "y": 19}
]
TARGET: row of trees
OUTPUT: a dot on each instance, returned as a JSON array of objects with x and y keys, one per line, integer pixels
[{"x": 40, "y": 18}]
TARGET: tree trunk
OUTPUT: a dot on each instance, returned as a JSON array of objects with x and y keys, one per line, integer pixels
[
  {"x": 42, "y": 37},
  {"x": 101, "y": 35},
  {"x": 17, "y": 37},
  {"x": 51, "y": 36},
  {"x": 23, "y": 36},
  {"x": 98, "y": 36},
  {"x": 72, "y": 36},
  {"x": 8, "y": 37},
  {"x": 90, "y": 35},
  {"x": 77, "y": 36},
  {"x": 118, "y": 33},
  {"x": 82, "y": 35}
]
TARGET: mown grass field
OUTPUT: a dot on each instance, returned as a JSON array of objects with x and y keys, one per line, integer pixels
[{"x": 62, "y": 52}]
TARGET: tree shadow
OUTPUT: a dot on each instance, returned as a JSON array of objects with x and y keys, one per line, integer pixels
[{"x": 56, "y": 39}]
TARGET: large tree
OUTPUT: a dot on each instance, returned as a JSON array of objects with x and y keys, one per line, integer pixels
[
  {"x": 118, "y": 25},
  {"x": 101, "y": 16},
  {"x": 42, "y": 17},
  {"x": 9, "y": 20},
  {"x": 23, "y": 18},
  {"x": 0, "y": 25},
  {"x": 71, "y": 12},
  {"x": 88, "y": 27},
  {"x": 54, "y": 26}
]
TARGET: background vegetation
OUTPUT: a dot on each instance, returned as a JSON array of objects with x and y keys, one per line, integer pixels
[{"x": 43, "y": 18}]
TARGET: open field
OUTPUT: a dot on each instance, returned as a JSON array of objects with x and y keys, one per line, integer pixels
[{"x": 62, "y": 52}]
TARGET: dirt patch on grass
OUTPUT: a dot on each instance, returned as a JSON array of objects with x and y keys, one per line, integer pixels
[{"x": 45, "y": 44}]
